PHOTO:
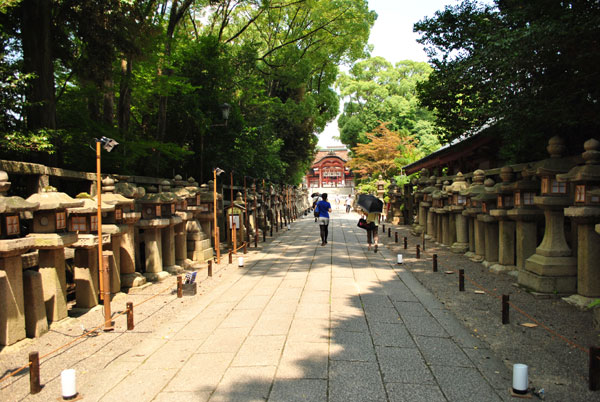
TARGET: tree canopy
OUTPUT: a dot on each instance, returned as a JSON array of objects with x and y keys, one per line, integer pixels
[
  {"x": 153, "y": 74},
  {"x": 529, "y": 68}
]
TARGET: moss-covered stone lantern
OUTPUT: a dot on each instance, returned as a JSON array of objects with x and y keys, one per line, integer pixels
[
  {"x": 552, "y": 269},
  {"x": 421, "y": 221},
  {"x": 430, "y": 232},
  {"x": 13, "y": 281},
  {"x": 458, "y": 205},
  {"x": 506, "y": 226},
  {"x": 51, "y": 235},
  {"x": 473, "y": 209},
  {"x": 586, "y": 213}
]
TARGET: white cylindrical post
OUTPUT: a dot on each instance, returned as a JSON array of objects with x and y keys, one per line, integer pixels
[
  {"x": 520, "y": 382},
  {"x": 399, "y": 259},
  {"x": 288, "y": 227},
  {"x": 240, "y": 261},
  {"x": 69, "y": 384}
]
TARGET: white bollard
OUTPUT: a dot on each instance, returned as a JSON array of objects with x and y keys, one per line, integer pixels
[
  {"x": 289, "y": 226},
  {"x": 520, "y": 382},
  {"x": 399, "y": 259},
  {"x": 69, "y": 384},
  {"x": 240, "y": 261}
]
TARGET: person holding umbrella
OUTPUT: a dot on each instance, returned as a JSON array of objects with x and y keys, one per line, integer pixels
[
  {"x": 372, "y": 208},
  {"x": 323, "y": 208}
]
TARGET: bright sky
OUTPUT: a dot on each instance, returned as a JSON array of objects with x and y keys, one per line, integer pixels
[{"x": 393, "y": 38}]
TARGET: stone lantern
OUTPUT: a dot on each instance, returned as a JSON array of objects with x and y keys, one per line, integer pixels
[
  {"x": 506, "y": 226},
  {"x": 457, "y": 206},
  {"x": 152, "y": 222},
  {"x": 450, "y": 233},
  {"x": 526, "y": 216},
  {"x": 586, "y": 213},
  {"x": 185, "y": 196},
  {"x": 84, "y": 221},
  {"x": 235, "y": 214},
  {"x": 50, "y": 235},
  {"x": 199, "y": 247},
  {"x": 421, "y": 220},
  {"x": 427, "y": 204},
  {"x": 552, "y": 268},
  {"x": 18, "y": 297},
  {"x": 437, "y": 205},
  {"x": 487, "y": 199},
  {"x": 130, "y": 252},
  {"x": 473, "y": 208},
  {"x": 380, "y": 187}
]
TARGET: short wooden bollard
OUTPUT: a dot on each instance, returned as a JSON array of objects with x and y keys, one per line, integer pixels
[
  {"x": 389, "y": 232},
  {"x": 594, "y": 380},
  {"x": 230, "y": 257},
  {"x": 461, "y": 280},
  {"x": 245, "y": 248},
  {"x": 418, "y": 251},
  {"x": 505, "y": 310},
  {"x": 179, "y": 287},
  {"x": 434, "y": 263},
  {"x": 383, "y": 227},
  {"x": 264, "y": 236},
  {"x": 423, "y": 241},
  {"x": 405, "y": 243},
  {"x": 256, "y": 240},
  {"x": 130, "y": 324},
  {"x": 34, "y": 373},
  {"x": 395, "y": 237},
  {"x": 210, "y": 268},
  {"x": 271, "y": 231}
]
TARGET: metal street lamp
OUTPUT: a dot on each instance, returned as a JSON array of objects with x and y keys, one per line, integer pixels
[
  {"x": 108, "y": 144},
  {"x": 216, "y": 172}
]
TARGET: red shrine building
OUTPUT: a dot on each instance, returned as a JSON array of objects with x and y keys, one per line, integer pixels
[{"x": 329, "y": 169}]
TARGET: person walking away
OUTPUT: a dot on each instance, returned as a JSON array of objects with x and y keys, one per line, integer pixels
[
  {"x": 372, "y": 219},
  {"x": 324, "y": 208},
  {"x": 348, "y": 203}
]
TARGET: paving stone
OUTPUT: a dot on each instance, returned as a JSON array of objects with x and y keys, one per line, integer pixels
[
  {"x": 353, "y": 346},
  {"x": 405, "y": 365},
  {"x": 402, "y": 392},
  {"x": 355, "y": 381},
  {"x": 224, "y": 340},
  {"x": 182, "y": 397},
  {"x": 313, "y": 310},
  {"x": 389, "y": 315},
  {"x": 253, "y": 302},
  {"x": 298, "y": 390},
  {"x": 426, "y": 326},
  {"x": 136, "y": 387},
  {"x": 315, "y": 297},
  {"x": 304, "y": 360},
  {"x": 442, "y": 351},
  {"x": 388, "y": 334},
  {"x": 272, "y": 324},
  {"x": 172, "y": 355},
  {"x": 240, "y": 319},
  {"x": 376, "y": 301},
  {"x": 353, "y": 321},
  {"x": 309, "y": 330},
  {"x": 415, "y": 309},
  {"x": 464, "y": 384},
  {"x": 201, "y": 373},
  {"x": 260, "y": 351},
  {"x": 245, "y": 384}
]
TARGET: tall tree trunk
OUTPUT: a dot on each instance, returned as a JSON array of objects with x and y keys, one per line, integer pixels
[
  {"x": 124, "y": 106},
  {"x": 108, "y": 106},
  {"x": 37, "y": 59}
]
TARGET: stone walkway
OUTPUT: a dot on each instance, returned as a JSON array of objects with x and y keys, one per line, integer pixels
[{"x": 303, "y": 322}]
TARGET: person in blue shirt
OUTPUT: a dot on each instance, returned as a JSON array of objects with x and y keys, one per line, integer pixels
[{"x": 324, "y": 208}]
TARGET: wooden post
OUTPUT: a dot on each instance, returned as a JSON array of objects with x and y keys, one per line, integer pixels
[
  {"x": 505, "y": 310},
  {"x": 34, "y": 373},
  {"x": 461, "y": 280},
  {"x": 230, "y": 257},
  {"x": 210, "y": 273},
  {"x": 395, "y": 237},
  {"x": 594, "y": 380},
  {"x": 108, "y": 326},
  {"x": 389, "y": 232},
  {"x": 435, "y": 263},
  {"x": 130, "y": 324},
  {"x": 405, "y": 243},
  {"x": 179, "y": 287},
  {"x": 418, "y": 251},
  {"x": 234, "y": 238}
]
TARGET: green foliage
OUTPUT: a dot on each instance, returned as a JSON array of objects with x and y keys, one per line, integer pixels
[
  {"x": 529, "y": 67},
  {"x": 378, "y": 92}
]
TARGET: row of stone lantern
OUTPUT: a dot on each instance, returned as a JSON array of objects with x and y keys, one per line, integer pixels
[{"x": 497, "y": 223}]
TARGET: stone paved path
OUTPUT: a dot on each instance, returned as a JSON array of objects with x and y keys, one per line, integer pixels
[{"x": 303, "y": 322}]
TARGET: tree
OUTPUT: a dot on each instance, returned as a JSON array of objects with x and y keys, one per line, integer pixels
[
  {"x": 527, "y": 67},
  {"x": 376, "y": 91},
  {"x": 383, "y": 154}
]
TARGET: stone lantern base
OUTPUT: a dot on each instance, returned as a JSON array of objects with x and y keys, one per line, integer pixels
[{"x": 549, "y": 274}]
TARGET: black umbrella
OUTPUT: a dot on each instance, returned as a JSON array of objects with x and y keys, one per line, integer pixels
[
  {"x": 313, "y": 195},
  {"x": 370, "y": 203}
]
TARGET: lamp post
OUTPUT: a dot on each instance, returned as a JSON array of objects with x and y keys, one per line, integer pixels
[
  {"x": 108, "y": 144},
  {"x": 216, "y": 172},
  {"x": 225, "y": 110}
]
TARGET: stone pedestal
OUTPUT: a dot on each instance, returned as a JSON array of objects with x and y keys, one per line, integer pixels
[
  {"x": 36, "y": 322},
  {"x": 525, "y": 233},
  {"x": 87, "y": 269},
  {"x": 451, "y": 226},
  {"x": 588, "y": 250},
  {"x": 461, "y": 245},
  {"x": 431, "y": 232},
  {"x": 129, "y": 277},
  {"x": 12, "y": 302},
  {"x": 116, "y": 237},
  {"x": 480, "y": 246},
  {"x": 506, "y": 241},
  {"x": 491, "y": 239},
  {"x": 551, "y": 269},
  {"x": 168, "y": 247},
  {"x": 199, "y": 247},
  {"x": 153, "y": 248},
  {"x": 181, "y": 239}
]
